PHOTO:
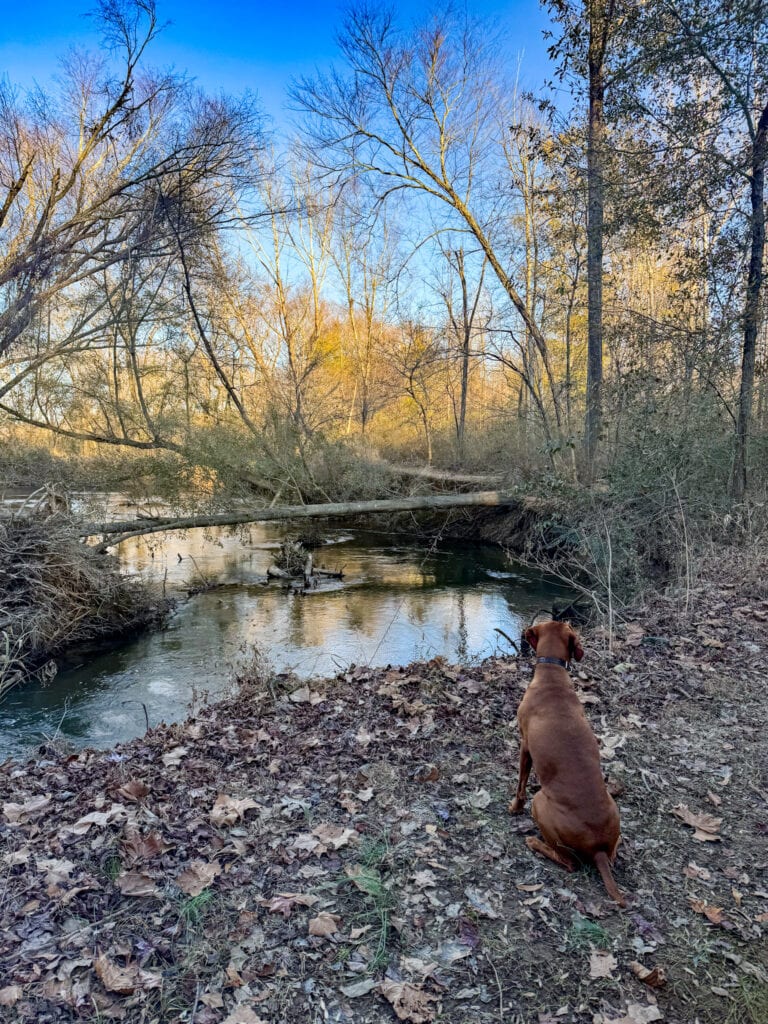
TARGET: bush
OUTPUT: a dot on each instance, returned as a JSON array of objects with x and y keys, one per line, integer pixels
[{"x": 56, "y": 592}]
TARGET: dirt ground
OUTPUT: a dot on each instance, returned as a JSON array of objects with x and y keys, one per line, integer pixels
[{"x": 342, "y": 851}]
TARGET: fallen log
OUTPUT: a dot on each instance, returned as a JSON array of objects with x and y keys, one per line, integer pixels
[
  {"x": 438, "y": 475},
  {"x": 133, "y": 528},
  {"x": 274, "y": 572}
]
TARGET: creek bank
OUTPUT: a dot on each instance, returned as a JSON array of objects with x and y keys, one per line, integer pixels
[
  {"x": 57, "y": 593},
  {"x": 342, "y": 849}
]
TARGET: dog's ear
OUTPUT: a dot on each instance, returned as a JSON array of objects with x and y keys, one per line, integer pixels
[
  {"x": 577, "y": 651},
  {"x": 531, "y": 636}
]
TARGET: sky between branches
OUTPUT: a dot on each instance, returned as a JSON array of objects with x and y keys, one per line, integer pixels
[{"x": 233, "y": 45}]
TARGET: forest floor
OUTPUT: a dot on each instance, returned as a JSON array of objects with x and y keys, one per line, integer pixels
[{"x": 342, "y": 851}]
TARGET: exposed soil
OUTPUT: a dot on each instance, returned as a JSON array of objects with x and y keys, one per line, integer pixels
[{"x": 344, "y": 853}]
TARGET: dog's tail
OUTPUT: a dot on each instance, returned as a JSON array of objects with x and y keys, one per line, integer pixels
[{"x": 603, "y": 865}]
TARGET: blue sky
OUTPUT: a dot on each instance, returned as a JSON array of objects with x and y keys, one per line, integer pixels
[{"x": 233, "y": 46}]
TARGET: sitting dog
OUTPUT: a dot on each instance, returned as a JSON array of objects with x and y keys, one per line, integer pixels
[{"x": 576, "y": 815}]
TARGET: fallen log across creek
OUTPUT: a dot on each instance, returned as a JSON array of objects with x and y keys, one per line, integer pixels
[{"x": 114, "y": 532}]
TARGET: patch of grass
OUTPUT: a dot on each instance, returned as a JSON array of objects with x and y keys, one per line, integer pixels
[
  {"x": 374, "y": 896},
  {"x": 584, "y": 933},
  {"x": 112, "y": 867},
  {"x": 750, "y": 1003},
  {"x": 343, "y": 954},
  {"x": 193, "y": 910},
  {"x": 373, "y": 852}
]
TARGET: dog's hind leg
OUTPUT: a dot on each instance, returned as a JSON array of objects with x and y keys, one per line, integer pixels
[
  {"x": 561, "y": 857},
  {"x": 517, "y": 805}
]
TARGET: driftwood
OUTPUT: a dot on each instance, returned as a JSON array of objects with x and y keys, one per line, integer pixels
[
  {"x": 274, "y": 572},
  {"x": 330, "y": 574},
  {"x": 139, "y": 528}
]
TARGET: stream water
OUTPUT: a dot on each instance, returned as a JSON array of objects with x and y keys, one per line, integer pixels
[{"x": 398, "y": 602}]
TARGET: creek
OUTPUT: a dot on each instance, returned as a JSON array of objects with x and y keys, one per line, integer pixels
[{"x": 398, "y": 602}]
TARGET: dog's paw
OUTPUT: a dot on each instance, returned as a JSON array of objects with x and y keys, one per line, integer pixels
[{"x": 516, "y": 806}]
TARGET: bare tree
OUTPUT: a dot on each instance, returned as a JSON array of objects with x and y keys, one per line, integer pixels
[
  {"x": 91, "y": 174},
  {"x": 423, "y": 114}
]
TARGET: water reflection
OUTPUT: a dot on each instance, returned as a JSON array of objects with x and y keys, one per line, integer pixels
[{"x": 398, "y": 603}]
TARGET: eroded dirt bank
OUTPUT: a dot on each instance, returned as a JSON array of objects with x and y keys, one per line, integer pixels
[{"x": 342, "y": 852}]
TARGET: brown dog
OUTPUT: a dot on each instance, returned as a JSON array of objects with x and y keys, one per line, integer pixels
[{"x": 574, "y": 811}]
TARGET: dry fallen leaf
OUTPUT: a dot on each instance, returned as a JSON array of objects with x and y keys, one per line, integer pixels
[
  {"x": 56, "y": 871},
  {"x": 133, "y": 883},
  {"x": 601, "y": 964},
  {"x": 243, "y": 1015},
  {"x": 137, "y": 847},
  {"x": 714, "y": 798},
  {"x": 133, "y": 791},
  {"x": 334, "y": 836},
  {"x": 705, "y": 825},
  {"x": 197, "y": 876},
  {"x": 100, "y": 818},
  {"x": 409, "y": 1002},
  {"x": 306, "y": 696},
  {"x": 655, "y": 977},
  {"x": 115, "y": 978},
  {"x": 480, "y": 903},
  {"x": 359, "y": 988},
  {"x": 227, "y": 810},
  {"x": 174, "y": 756},
  {"x": 10, "y": 995},
  {"x": 284, "y": 902},
  {"x": 692, "y": 870},
  {"x": 124, "y": 980},
  {"x": 716, "y": 915},
  {"x": 324, "y": 924},
  {"x": 19, "y": 814},
  {"x": 636, "y": 1013}
]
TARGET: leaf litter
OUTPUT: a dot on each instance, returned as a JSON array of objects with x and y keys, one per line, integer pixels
[{"x": 344, "y": 853}]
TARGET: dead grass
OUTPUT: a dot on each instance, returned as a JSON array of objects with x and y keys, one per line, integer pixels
[{"x": 55, "y": 593}]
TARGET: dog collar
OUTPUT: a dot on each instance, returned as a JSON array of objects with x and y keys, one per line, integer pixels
[{"x": 553, "y": 661}]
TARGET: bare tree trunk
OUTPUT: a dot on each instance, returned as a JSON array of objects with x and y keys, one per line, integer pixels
[
  {"x": 751, "y": 306},
  {"x": 600, "y": 15}
]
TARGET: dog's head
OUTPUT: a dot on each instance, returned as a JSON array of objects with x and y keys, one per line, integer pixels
[{"x": 556, "y": 634}]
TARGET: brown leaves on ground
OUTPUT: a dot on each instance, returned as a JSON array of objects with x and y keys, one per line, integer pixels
[
  {"x": 136, "y": 847},
  {"x": 364, "y": 867},
  {"x": 10, "y": 995},
  {"x": 19, "y": 814},
  {"x": 324, "y": 924},
  {"x": 635, "y": 1013},
  {"x": 654, "y": 977},
  {"x": 602, "y": 965},
  {"x": 705, "y": 826},
  {"x": 197, "y": 876},
  {"x": 409, "y": 1002},
  {"x": 134, "y": 883},
  {"x": 227, "y": 810},
  {"x": 284, "y": 902},
  {"x": 125, "y": 980},
  {"x": 243, "y": 1015},
  {"x": 716, "y": 915}
]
